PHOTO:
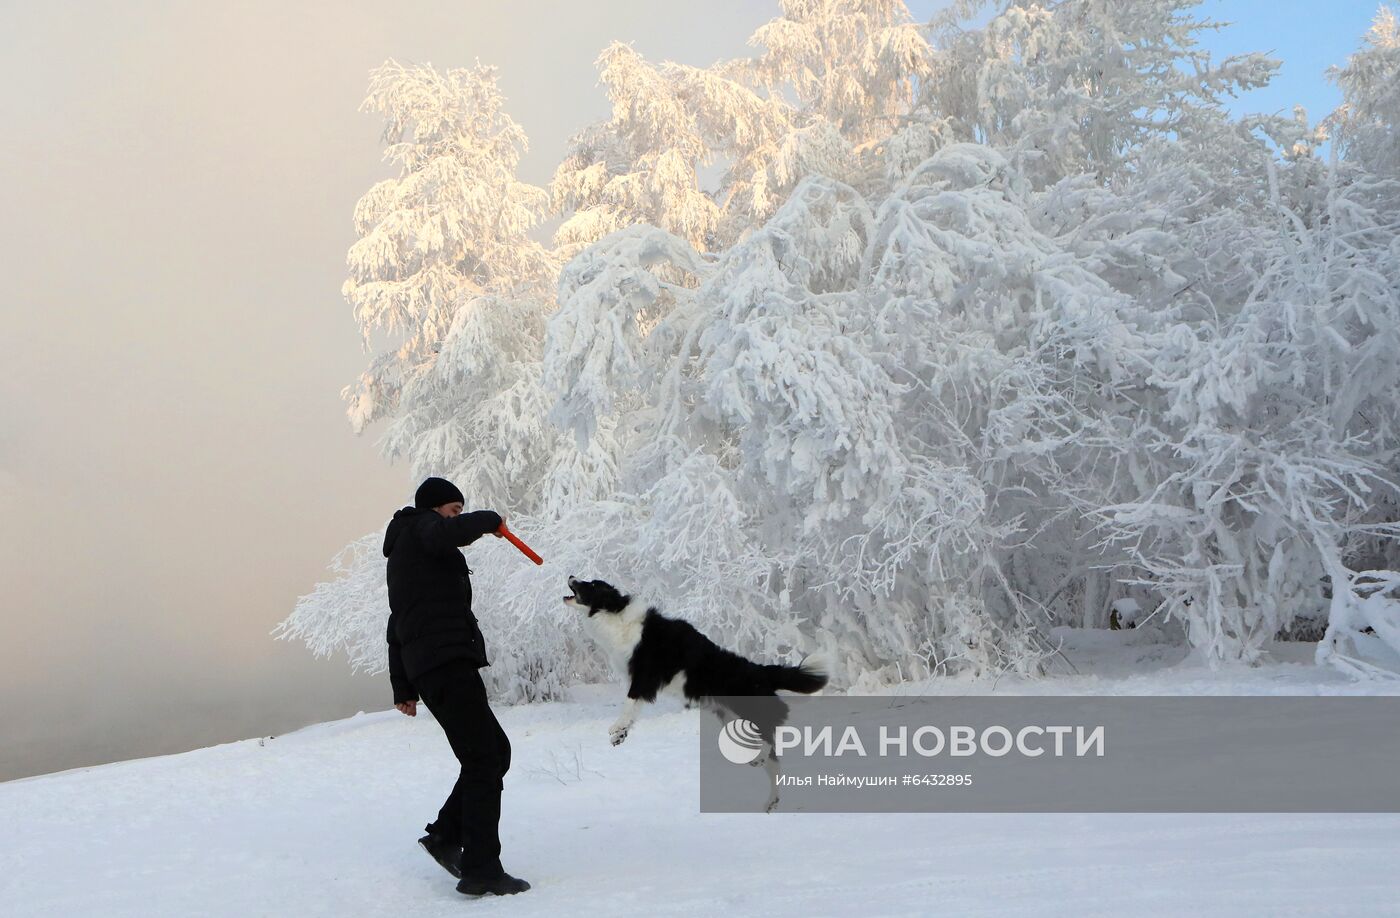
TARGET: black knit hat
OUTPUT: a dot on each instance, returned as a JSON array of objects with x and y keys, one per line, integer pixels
[{"x": 434, "y": 492}]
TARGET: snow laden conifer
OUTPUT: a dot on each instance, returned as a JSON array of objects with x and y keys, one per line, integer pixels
[
  {"x": 847, "y": 72},
  {"x": 447, "y": 272},
  {"x": 832, "y": 81},
  {"x": 1080, "y": 87},
  {"x": 642, "y": 166},
  {"x": 445, "y": 262},
  {"x": 1367, "y": 122}
]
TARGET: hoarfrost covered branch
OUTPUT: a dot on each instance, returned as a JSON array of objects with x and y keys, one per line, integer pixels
[{"x": 903, "y": 342}]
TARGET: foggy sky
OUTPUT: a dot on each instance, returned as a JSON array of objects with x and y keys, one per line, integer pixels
[
  {"x": 175, "y": 465},
  {"x": 176, "y": 189}
]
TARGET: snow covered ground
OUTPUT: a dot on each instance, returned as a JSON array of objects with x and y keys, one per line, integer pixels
[{"x": 323, "y": 822}]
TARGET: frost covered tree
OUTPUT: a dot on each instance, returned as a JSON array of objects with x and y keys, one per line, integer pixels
[
  {"x": 1079, "y": 87},
  {"x": 642, "y": 166},
  {"x": 1367, "y": 122},
  {"x": 851, "y": 69},
  {"x": 1347, "y": 273},
  {"x": 909, "y": 344},
  {"x": 1271, "y": 487},
  {"x": 833, "y": 80},
  {"x": 445, "y": 264}
]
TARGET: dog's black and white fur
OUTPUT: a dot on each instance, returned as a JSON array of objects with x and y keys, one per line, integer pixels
[{"x": 660, "y": 654}]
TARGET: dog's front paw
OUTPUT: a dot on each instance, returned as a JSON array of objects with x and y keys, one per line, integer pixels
[{"x": 616, "y": 735}]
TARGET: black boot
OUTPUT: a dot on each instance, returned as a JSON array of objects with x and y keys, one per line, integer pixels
[
  {"x": 447, "y": 853},
  {"x": 490, "y": 881}
]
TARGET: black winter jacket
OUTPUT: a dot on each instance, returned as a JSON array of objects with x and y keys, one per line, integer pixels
[{"x": 430, "y": 594}]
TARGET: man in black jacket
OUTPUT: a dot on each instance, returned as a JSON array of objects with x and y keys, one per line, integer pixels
[{"x": 435, "y": 652}]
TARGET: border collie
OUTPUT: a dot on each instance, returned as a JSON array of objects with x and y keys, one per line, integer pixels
[{"x": 668, "y": 654}]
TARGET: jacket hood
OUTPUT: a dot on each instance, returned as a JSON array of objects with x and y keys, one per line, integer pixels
[{"x": 401, "y": 521}]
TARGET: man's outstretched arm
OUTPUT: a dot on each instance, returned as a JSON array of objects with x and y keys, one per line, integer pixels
[{"x": 464, "y": 528}]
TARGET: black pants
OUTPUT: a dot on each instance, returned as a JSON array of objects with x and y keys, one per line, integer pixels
[{"x": 455, "y": 695}]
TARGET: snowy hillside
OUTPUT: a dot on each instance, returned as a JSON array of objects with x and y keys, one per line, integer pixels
[{"x": 323, "y": 822}]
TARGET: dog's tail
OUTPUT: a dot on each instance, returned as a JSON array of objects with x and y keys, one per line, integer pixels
[{"x": 807, "y": 677}]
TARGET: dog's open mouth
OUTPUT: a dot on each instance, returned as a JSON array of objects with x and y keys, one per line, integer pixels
[{"x": 572, "y": 595}]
